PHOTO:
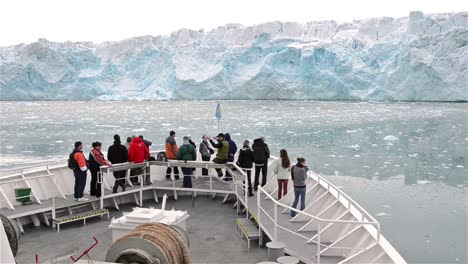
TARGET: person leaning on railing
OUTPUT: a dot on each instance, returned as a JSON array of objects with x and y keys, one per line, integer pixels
[
  {"x": 223, "y": 152},
  {"x": 299, "y": 176},
  {"x": 118, "y": 153},
  {"x": 187, "y": 152},
  {"x": 137, "y": 153},
  {"x": 205, "y": 152},
  {"x": 96, "y": 160}
]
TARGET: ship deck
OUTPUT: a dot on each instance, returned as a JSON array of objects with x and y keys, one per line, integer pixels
[{"x": 213, "y": 239}]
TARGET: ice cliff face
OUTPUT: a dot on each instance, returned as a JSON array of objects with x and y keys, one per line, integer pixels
[{"x": 420, "y": 57}]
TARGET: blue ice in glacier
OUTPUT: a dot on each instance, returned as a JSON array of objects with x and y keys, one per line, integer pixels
[{"x": 420, "y": 57}]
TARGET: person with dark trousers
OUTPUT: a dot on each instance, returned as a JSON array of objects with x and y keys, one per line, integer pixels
[
  {"x": 232, "y": 153},
  {"x": 299, "y": 176},
  {"x": 223, "y": 152},
  {"x": 118, "y": 153},
  {"x": 205, "y": 152},
  {"x": 96, "y": 160},
  {"x": 245, "y": 161},
  {"x": 147, "y": 178},
  {"x": 80, "y": 172},
  {"x": 261, "y": 155},
  {"x": 171, "y": 154},
  {"x": 187, "y": 152},
  {"x": 138, "y": 153}
]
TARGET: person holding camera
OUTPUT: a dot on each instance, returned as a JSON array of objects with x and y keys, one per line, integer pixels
[
  {"x": 223, "y": 152},
  {"x": 299, "y": 176},
  {"x": 205, "y": 152}
]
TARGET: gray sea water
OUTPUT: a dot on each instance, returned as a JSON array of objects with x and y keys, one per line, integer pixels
[{"x": 406, "y": 163}]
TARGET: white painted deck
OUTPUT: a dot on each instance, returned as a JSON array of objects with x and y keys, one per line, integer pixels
[{"x": 345, "y": 232}]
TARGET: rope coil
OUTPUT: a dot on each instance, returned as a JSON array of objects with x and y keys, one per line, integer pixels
[{"x": 167, "y": 240}]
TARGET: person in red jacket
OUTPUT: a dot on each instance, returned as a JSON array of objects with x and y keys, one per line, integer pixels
[{"x": 137, "y": 153}]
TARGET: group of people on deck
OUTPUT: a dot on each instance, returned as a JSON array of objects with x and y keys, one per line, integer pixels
[{"x": 136, "y": 150}]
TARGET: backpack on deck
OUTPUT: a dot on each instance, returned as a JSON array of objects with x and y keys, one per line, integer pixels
[{"x": 72, "y": 162}]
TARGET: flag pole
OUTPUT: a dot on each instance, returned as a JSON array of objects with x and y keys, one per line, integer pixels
[{"x": 218, "y": 118}]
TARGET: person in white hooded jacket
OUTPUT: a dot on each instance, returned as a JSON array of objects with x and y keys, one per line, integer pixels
[{"x": 282, "y": 169}]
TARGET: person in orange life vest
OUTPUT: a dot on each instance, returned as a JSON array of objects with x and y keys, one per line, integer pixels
[
  {"x": 137, "y": 153},
  {"x": 171, "y": 153},
  {"x": 96, "y": 160},
  {"x": 80, "y": 172}
]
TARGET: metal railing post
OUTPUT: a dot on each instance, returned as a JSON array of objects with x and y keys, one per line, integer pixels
[
  {"x": 276, "y": 221},
  {"x": 237, "y": 197},
  {"x": 318, "y": 242},
  {"x": 53, "y": 211},
  {"x": 211, "y": 181},
  {"x": 246, "y": 196},
  {"x": 258, "y": 207},
  {"x": 141, "y": 188},
  {"x": 378, "y": 231},
  {"x": 101, "y": 199}
]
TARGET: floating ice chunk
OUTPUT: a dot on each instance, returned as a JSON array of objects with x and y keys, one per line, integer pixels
[
  {"x": 382, "y": 214},
  {"x": 111, "y": 126},
  {"x": 351, "y": 131},
  {"x": 390, "y": 138},
  {"x": 139, "y": 130},
  {"x": 387, "y": 206},
  {"x": 355, "y": 147},
  {"x": 424, "y": 182}
]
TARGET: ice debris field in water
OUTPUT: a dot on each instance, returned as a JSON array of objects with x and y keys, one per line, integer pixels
[
  {"x": 420, "y": 57},
  {"x": 406, "y": 163}
]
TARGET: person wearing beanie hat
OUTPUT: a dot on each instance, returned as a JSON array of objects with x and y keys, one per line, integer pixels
[
  {"x": 118, "y": 153},
  {"x": 223, "y": 152},
  {"x": 261, "y": 154},
  {"x": 187, "y": 152},
  {"x": 171, "y": 154},
  {"x": 79, "y": 171},
  {"x": 245, "y": 161},
  {"x": 232, "y": 152}
]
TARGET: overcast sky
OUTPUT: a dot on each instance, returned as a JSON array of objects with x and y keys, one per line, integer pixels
[{"x": 25, "y": 21}]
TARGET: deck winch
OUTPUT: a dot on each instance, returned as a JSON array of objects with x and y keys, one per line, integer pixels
[
  {"x": 13, "y": 233},
  {"x": 152, "y": 243}
]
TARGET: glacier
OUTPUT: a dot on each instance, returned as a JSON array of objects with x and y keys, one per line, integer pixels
[{"x": 422, "y": 57}]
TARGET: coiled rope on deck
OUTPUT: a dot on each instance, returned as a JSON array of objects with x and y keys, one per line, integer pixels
[{"x": 167, "y": 239}]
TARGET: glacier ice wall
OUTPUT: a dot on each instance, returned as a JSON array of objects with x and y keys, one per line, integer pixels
[{"x": 420, "y": 57}]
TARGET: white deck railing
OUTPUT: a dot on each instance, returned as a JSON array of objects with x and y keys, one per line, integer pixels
[{"x": 365, "y": 218}]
